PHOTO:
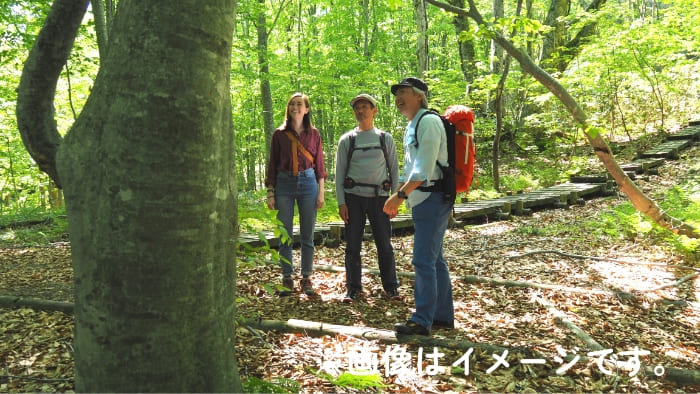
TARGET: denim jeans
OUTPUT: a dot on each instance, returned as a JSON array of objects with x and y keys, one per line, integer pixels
[
  {"x": 358, "y": 209},
  {"x": 302, "y": 189},
  {"x": 432, "y": 288}
]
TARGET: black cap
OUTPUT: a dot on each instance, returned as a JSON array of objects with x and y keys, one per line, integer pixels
[{"x": 410, "y": 82}]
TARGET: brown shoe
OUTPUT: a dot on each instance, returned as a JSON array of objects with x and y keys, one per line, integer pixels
[
  {"x": 288, "y": 284},
  {"x": 306, "y": 287}
]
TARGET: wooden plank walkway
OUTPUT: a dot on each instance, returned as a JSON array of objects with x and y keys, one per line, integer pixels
[
  {"x": 558, "y": 196},
  {"x": 643, "y": 166},
  {"x": 669, "y": 149},
  {"x": 687, "y": 133}
]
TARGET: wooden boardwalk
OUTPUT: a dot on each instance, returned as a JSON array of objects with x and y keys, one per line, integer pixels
[{"x": 558, "y": 196}]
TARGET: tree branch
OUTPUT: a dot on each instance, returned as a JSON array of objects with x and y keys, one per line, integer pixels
[{"x": 37, "y": 87}]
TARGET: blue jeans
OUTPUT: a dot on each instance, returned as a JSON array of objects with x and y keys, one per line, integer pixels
[
  {"x": 358, "y": 209},
  {"x": 432, "y": 288},
  {"x": 302, "y": 189}
]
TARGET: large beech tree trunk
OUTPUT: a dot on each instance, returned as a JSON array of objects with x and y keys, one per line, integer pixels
[
  {"x": 641, "y": 201},
  {"x": 149, "y": 179}
]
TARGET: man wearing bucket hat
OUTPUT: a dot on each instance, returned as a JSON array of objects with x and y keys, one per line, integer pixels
[
  {"x": 366, "y": 170},
  {"x": 423, "y": 148}
]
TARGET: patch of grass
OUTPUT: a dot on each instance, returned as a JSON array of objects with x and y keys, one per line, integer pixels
[
  {"x": 359, "y": 381},
  {"x": 683, "y": 202},
  {"x": 279, "y": 385},
  {"x": 529, "y": 230},
  {"x": 33, "y": 226}
]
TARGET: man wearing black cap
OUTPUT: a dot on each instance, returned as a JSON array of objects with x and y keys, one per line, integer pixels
[
  {"x": 366, "y": 170},
  {"x": 423, "y": 148}
]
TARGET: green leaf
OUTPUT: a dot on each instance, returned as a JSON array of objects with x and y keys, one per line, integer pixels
[{"x": 594, "y": 131}]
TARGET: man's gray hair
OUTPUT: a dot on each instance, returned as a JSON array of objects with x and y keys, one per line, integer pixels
[{"x": 424, "y": 100}]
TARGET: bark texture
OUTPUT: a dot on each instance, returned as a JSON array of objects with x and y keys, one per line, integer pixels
[{"x": 149, "y": 179}]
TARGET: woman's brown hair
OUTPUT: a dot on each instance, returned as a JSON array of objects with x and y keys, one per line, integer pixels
[{"x": 306, "y": 122}]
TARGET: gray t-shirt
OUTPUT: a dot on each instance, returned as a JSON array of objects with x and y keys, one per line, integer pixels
[{"x": 368, "y": 165}]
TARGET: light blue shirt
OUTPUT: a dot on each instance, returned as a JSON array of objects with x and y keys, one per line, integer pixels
[{"x": 420, "y": 162}]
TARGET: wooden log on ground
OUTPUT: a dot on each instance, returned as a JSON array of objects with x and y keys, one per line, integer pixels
[
  {"x": 683, "y": 377},
  {"x": 33, "y": 303},
  {"x": 560, "y": 318},
  {"x": 489, "y": 281},
  {"x": 312, "y": 328}
]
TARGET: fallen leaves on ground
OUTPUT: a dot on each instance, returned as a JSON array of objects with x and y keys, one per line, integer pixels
[{"x": 36, "y": 346}]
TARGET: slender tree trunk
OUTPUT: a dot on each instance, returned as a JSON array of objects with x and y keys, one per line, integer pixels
[
  {"x": 500, "y": 111},
  {"x": 149, "y": 179},
  {"x": 640, "y": 200},
  {"x": 265, "y": 91},
  {"x": 466, "y": 47},
  {"x": 528, "y": 15},
  {"x": 496, "y": 58},
  {"x": 98, "y": 13},
  {"x": 422, "y": 40}
]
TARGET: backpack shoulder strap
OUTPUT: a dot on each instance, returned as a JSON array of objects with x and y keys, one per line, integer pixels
[
  {"x": 351, "y": 149},
  {"x": 430, "y": 111},
  {"x": 382, "y": 143}
]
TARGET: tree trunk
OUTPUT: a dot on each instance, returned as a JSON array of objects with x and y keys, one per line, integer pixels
[
  {"x": 36, "y": 304},
  {"x": 422, "y": 40},
  {"x": 496, "y": 58},
  {"x": 639, "y": 200},
  {"x": 98, "y": 14},
  {"x": 313, "y": 328},
  {"x": 496, "y": 149},
  {"x": 572, "y": 48},
  {"x": 37, "y": 87},
  {"x": 553, "y": 39},
  {"x": 265, "y": 91},
  {"x": 149, "y": 177},
  {"x": 466, "y": 47}
]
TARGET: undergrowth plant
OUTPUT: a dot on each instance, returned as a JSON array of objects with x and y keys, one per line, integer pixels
[
  {"x": 359, "y": 381},
  {"x": 278, "y": 386}
]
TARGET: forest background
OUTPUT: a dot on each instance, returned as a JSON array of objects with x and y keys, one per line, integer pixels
[{"x": 633, "y": 63}]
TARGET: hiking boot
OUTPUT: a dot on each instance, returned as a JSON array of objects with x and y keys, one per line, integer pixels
[
  {"x": 393, "y": 295},
  {"x": 288, "y": 284},
  {"x": 306, "y": 287},
  {"x": 411, "y": 328},
  {"x": 448, "y": 325},
  {"x": 351, "y": 295}
]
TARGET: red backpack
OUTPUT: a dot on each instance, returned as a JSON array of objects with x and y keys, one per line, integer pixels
[
  {"x": 465, "y": 147},
  {"x": 457, "y": 176}
]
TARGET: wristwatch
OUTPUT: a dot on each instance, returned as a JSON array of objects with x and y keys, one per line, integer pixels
[{"x": 401, "y": 194}]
